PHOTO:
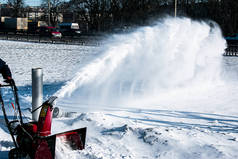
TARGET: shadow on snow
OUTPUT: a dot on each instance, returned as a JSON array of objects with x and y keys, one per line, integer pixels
[{"x": 211, "y": 122}]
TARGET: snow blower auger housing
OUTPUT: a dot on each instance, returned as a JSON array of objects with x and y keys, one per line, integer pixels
[{"x": 33, "y": 139}]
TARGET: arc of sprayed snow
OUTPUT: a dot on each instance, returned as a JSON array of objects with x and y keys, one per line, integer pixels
[{"x": 104, "y": 65}]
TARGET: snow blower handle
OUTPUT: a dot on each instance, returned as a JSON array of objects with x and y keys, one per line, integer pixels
[
  {"x": 5, "y": 85},
  {"x": 48, "y": 102},
  {"x": 11, "y": 83},
  {"x": 14, "y": 89}
]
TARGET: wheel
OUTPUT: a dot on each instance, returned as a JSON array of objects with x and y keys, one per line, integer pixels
[
  {"x": 16, "y": 154},
  {"x": 43, "y": 151}
]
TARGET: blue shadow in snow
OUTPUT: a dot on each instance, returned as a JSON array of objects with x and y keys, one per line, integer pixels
[
  {"x": 212, "y": 122},
  {"x": 48, "y": 89},
  {"x": 25, "y": 92},
  {"x": 4, "y": 154}
]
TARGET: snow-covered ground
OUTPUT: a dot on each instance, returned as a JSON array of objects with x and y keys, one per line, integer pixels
[{"x": 163, "y": 91}]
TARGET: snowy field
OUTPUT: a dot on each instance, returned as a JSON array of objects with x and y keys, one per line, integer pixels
[{"x": 162, "y": 92}]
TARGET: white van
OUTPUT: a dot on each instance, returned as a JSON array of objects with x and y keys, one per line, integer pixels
[{"x": 69, "y": 29}]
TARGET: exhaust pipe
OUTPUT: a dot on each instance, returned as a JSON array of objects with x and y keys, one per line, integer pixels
[{"x": 37, "y": 92}]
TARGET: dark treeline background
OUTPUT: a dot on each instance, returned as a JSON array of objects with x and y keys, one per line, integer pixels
[
  {"x": 102, "y": 15},
  {"x": 106, "y": 15}
]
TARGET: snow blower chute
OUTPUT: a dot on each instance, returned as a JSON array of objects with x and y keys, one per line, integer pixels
[{"x": 33, "y": 139}]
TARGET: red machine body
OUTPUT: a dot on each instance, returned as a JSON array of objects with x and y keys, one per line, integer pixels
[
  {"x": 33, "y": 139},
  {"x": 45, "y": 120}
]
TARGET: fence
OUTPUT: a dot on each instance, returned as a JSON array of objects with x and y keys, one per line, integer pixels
[
  {"x": 89, "y": 40},
  {"x": 232, "y": 50}
]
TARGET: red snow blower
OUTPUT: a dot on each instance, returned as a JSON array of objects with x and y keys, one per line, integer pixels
[{"x": 33, "y": 139}]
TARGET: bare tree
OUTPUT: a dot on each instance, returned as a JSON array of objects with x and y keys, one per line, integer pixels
[
  {"x": 17, "y": 6},
  {"x": 139, "y": 12},
  {"x": 52, "y": 10}
]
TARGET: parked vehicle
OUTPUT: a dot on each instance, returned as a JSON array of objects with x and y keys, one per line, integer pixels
[
  {"x": 232, "y": 40},
  {"x": 69, "y": 29},
  {"x": 49, "y": 31},
  {"x": 34, "y": 25},
  {"x": 16, "y": 24}
]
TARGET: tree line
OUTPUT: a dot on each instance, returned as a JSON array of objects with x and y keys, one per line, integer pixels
[{"x": 105, "y": 15}]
